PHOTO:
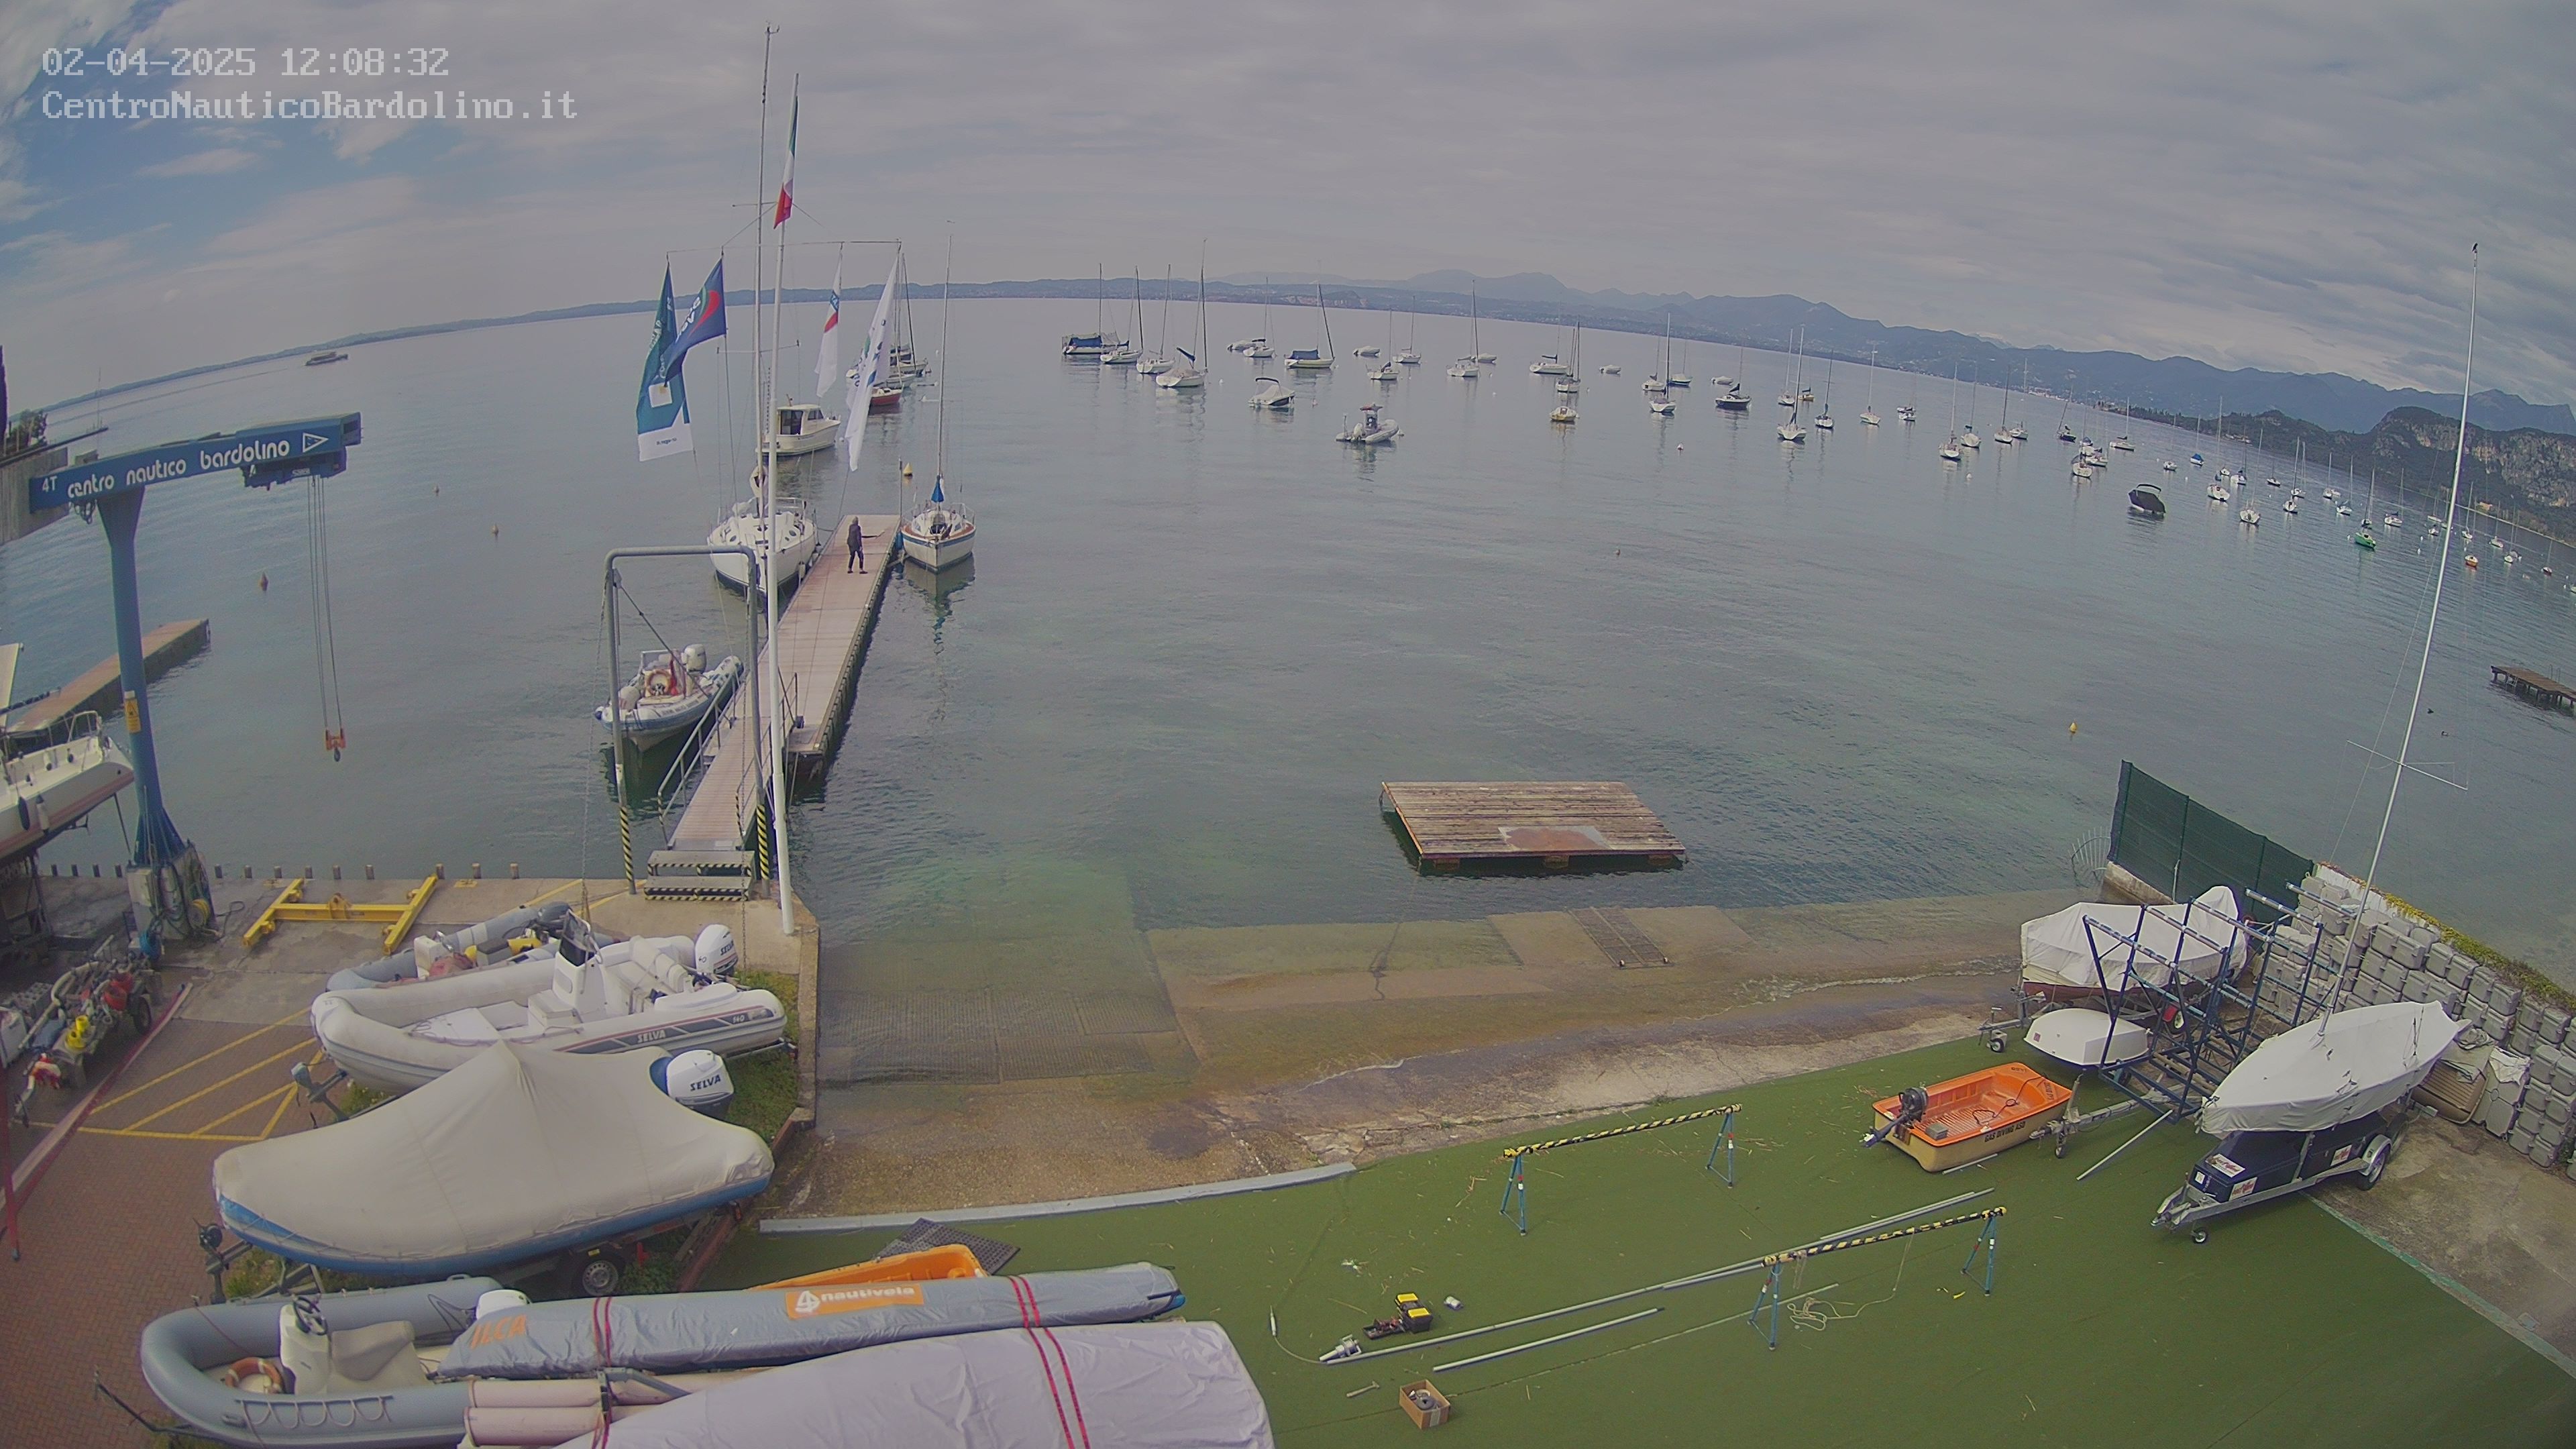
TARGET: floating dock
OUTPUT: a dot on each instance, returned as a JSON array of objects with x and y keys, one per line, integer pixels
[
  {"x": 2538, "y": 688},
  {"x": 1555, "y": 823},
  {"x": 164, "y": 649},
  {"x": 822, "y": 630}
]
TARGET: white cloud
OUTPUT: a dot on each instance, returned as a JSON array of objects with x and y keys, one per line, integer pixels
[
  {"x": 2293, "y": 184},
  {"x": 210, "y": 162}
]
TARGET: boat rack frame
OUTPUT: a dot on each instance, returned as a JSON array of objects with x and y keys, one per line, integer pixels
[{"x": 2202, "y": 1030}]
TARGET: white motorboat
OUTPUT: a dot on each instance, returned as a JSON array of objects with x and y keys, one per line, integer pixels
[
  {"x": 1609, "y": 369},
  {"x": 1790, "y": 432},
  {"x": 1563, "y": 415},
  {"x": 797, "y": 542},
  {"x": 1463, "y": 367},
  {"x": 1370, "y": 350},
  {"x": 1383, "y": 372},
  {"x": 1372, "y": 430},
  {"x": 1274, "y": 395},
  {"x": 1549, "y": 365},
  {"x": 48, "y": 789},
  {"x": 670, "y": 992},
  {"x": 805, "y": 428},
  {"x": 669, "y": 695}
]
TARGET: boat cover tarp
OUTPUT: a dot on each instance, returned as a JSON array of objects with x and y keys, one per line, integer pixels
[
  {"x": 1137, "y": 1386},
  {"x": 2060, "y": 947},
  {"x": 521, "y": 1152},
  {"x": 688, "y": 1332},
  {"x": 2331, "y": 1070}
]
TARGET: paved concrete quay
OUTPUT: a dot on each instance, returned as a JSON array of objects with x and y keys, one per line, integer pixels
[{"x": 109, "y": 1235}]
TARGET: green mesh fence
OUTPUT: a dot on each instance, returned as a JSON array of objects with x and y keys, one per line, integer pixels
[{"x": 2183, "y": 847}]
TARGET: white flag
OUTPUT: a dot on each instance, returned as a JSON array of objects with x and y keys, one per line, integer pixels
[
  {"x": 827, "y": 353},
  {"x": 863, "y": 378}
]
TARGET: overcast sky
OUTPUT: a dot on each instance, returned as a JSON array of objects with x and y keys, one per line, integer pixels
[{"x": 2285, "y": 185}]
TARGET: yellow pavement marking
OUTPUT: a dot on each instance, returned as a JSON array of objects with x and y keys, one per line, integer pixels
[
  {"x": 252, "y": 1105},
  {"x": 266, "y": 1061},
  {"x": 200, "y": 1060},
  {"x": 283, "y": 1102},
  {"x": 168, "y": 1136}
]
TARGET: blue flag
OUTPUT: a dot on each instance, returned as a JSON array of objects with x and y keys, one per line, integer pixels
[
  {"x": 661, "y": 400},
  {"x": 705, "y": 319}
]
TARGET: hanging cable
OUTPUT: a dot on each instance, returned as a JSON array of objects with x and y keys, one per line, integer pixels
[{"x": 326, "y": 644}]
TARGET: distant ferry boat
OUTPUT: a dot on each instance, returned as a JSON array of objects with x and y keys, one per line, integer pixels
[{"x": 319, "y": 358}]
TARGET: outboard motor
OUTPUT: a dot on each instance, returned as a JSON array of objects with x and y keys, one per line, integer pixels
[
  {"x": 715, "y": 955},
  {"x": 1911, "y": 1104},
  {"x": 697, "y": 1080}
]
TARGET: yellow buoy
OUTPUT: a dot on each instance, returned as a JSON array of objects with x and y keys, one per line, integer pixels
[{"x": 2070, "y": 729}]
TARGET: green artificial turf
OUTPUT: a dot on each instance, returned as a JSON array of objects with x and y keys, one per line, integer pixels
[{"x": 2286, "y": 1328}]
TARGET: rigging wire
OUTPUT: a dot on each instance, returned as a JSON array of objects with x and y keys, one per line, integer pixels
[{"x": 326, "y": 643}]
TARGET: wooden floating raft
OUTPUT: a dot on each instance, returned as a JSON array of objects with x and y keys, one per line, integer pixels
[
  {"x": 1551, "y": 822},
  {"x": 2538, "y": 688}
]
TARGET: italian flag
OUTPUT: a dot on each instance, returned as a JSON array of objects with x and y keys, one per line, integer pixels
[{"x": 787, "y": 181}]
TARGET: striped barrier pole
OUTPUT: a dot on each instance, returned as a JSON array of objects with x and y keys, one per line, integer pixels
[{"x": 1516, "y": 1183}]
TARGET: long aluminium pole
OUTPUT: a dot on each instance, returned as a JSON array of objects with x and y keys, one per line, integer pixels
[
  {"x": 769, "y": 587},
  {"x": 2441, "y": 569}
]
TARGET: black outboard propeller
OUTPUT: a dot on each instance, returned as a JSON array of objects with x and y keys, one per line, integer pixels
[{"x": 1910, "y": 1107}]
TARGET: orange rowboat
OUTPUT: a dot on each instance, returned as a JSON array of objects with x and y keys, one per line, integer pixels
[{"x": 1970, "y": 1118}]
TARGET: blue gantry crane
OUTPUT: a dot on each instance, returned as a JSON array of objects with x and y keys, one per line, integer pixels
[{"x": 167, "y": 881}]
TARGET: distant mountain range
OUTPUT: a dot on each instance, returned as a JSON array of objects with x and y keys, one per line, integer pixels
[{"x": 2177, "y": 386}]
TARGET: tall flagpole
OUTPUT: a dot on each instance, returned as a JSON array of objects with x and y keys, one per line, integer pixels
[
  {"x": 769, "y": 550},
  {"x": 2441, "y": 568},
  {"x": 763, "y": 708}
]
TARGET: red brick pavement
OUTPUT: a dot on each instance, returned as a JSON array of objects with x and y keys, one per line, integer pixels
[{"x": 109, "y": 1237}]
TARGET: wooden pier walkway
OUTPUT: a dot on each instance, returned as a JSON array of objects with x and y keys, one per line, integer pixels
[
  {"x": 1554, "y": 823},
  {"x": 2538, "y": 688},
  {"x": 822, "y": 630},
  {"x": 99, "y": 688}
]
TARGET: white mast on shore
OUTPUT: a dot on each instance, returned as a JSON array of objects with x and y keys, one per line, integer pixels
[
  {"x": 2441, "y": 569},
  {"x": 766, "y": 387}
]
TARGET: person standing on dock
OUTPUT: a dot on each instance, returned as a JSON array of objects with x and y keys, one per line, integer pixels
[{"x": 858, "y": 545}]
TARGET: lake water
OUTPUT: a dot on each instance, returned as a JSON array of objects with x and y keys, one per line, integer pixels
[{"x": 1198, "y": 637}]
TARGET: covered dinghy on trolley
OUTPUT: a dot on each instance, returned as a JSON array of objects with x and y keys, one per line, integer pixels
[
  {"x": 2204, "y": 939},
  {"x": 754, "y": 1328},
  {"x": 1137, "y": 1386},
  {"x": 2331, "y": 1070},
  {"x": 522, "y": 1153}
]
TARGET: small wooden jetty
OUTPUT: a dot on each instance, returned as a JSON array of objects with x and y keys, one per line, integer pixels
[
  {"x": 100, "y": 688},
  {"x": 1554, "y": 823},
  {"x": 2538, "y": 688},
  {"x": 822, "y": 630}
]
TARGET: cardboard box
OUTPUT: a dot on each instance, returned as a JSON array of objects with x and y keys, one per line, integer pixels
[{"x": 1431, "y": 1417}]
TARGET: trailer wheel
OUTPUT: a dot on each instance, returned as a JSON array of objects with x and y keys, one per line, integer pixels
[
  {"x": 2200, "y": 1235},
  {"x": 1995, "y": 1041},
  {"x": 595, "y": 1273},
  {"x": 2374, "y": 1163}
]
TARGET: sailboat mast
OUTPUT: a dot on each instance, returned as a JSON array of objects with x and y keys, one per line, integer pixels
[
  {"x": 947, "y": 274},
  {"x": 2441, "y": 570}
]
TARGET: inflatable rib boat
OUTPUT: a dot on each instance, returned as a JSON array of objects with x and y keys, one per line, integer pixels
[
  {"x": 654, "y": 991},
  {"x": 518, "y": 1156},
  {"x": 558, "y": 931},
  {"x": 224, "y": 1367},
  {"x": 1134, "y": 1385},
  {"x": 760, "y": 1327}
]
